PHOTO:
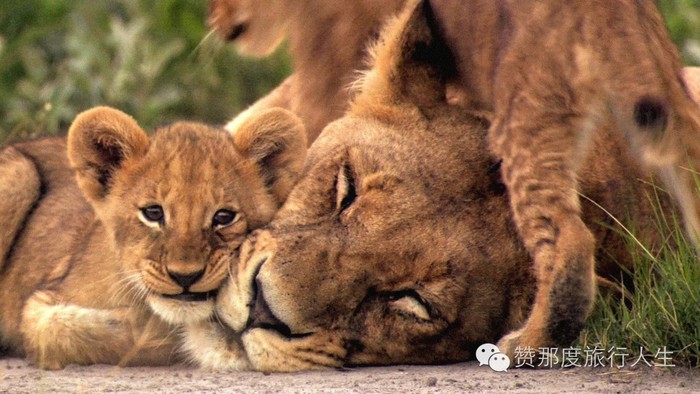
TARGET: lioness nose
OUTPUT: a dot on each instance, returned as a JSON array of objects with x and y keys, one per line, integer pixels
[
  {"x": 185, "y": 280},
  {"x": 261, "y": 316}
]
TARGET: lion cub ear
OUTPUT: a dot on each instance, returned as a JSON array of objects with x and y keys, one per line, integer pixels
[
  {"x": 99, "y": 141},
  {"x": 275, "y": 140}
]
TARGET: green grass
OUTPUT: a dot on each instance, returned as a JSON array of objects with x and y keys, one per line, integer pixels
[
  {"x": 664, "y": 308},
  {"x": 683, "y": 21}
]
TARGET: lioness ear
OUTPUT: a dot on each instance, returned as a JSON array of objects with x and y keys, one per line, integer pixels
[
  {"x": 411, "y": 59},
  {"x": 274, "y": 139},
  {"x": 99, "y": 141}
]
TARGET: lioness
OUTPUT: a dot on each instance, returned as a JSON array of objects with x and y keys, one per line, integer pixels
[
  {"x": 397, "y": 245},
  {"x": 111, "y": 239},
  {"x": 327, "y": 41}
]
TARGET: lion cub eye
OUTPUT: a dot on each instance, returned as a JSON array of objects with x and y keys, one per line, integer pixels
[
  {"x": 153, "y": 214},
  {"x": 223, "y": 218}
]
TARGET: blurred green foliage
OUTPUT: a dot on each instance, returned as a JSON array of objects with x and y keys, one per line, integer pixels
[
  {"x": 683, "y": 21},
  {"x": 154, "y": 60},
  {"x": 150, "y": 58}
]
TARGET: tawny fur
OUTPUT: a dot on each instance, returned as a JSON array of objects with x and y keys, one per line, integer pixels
[
  {"x": 691, "y": 76},
  {"x": 327, "y": 41},
  {"x": 597, "y": 62},
  {"x": 21, "y": 185},
  {"x": 398, "y": 244},
  {"x": 86, "y": 277}
]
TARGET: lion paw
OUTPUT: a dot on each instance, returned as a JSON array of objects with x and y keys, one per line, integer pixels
[
  {"x": 212, "y": 346},
  {"x": 510, "y": 342}
]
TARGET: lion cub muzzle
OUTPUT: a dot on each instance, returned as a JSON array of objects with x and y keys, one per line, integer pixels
[
  {"x": 186, "y": 281},
  {"x": 185, "y": 290},
  {"x": 190, "y": 277}
]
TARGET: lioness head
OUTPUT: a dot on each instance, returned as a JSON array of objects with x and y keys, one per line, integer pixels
[
  {"x": 256, "y": 27},
  {"x": 176, "y": 206},
  {"x": 397, "y": 244},
  {"x": 384, "y": 251}
]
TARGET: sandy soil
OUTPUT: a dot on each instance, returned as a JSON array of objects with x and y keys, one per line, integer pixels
[{"x": 16, "y": 376}]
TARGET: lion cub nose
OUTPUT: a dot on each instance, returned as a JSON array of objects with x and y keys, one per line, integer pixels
[{"x": 185, "y": 280}]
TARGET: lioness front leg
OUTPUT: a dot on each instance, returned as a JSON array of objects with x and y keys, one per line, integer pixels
[
  {"x": 57, "y": 334},
  {"x": 539, "y": 162}
]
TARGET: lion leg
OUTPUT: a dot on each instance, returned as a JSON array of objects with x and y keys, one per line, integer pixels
[
  {"x": 540, "y": 153},
  {"x": 20, "y": 186},
  {"x": 210, "y": 346},
  {"x": 57, "y": 334},
  {"x": 281, "y": 97}
]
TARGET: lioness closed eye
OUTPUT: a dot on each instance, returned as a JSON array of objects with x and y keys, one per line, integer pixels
[{"x": 111, "y": 239}]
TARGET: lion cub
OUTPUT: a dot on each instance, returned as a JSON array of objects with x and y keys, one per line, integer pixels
[{"x": 112, "y": 239}]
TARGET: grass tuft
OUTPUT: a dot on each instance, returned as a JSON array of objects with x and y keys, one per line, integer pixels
[{"x": 663, "y": 311}]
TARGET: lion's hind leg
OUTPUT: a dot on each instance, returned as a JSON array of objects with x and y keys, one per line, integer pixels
[
  {"x": 541, "y": 149},
  {"x": 20, "y": 187}
]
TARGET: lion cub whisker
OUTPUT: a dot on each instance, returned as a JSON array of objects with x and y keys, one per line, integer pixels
[{"x": 128, "y": 290}]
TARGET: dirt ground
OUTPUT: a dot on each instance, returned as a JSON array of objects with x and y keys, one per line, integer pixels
[{"x": 16, "y": 376}]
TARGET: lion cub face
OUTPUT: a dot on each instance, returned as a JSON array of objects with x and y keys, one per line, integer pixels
[{"x": 176, "y": 206}]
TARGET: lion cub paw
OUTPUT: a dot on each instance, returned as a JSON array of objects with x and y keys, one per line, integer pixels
[
  {"x": 521, "y": 341},
  {"x": 56, "y": 334},
  {"x": 211, "y": 346}
]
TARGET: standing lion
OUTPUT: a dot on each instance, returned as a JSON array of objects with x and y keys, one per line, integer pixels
[{"x": 327, "y": 41}]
